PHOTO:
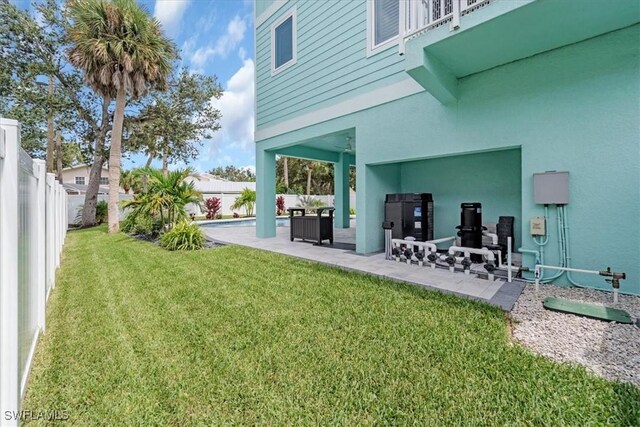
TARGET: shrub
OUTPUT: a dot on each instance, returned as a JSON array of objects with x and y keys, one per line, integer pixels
[
  {"x": 280, "y": 208},
  {"x": 213, "y": 207},
  {"x": 352, "y": 211},
  {"x": 311, "y": 204},
  {"x": 236, "y": 215},
  {"x": 102, "y": 211},
  {"x": 219, "y": 216},
  {"x": 184, "y": 236},
  {"x": 140, "y": 225}
]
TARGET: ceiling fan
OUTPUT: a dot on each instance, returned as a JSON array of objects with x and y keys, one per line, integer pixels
[{"x": 349, "y": 147}]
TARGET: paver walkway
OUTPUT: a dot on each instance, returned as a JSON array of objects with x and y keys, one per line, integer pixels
[{"x": 498, "y": 292}]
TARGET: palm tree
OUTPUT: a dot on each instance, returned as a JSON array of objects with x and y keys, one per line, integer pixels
[
  {"x": 122, "y": 51},
  {"x": 246, "y": 200},
  {"x": 310, "y": 166},
  {"x": 126, "y": 180},
  {"x": 166, "y": 196}
]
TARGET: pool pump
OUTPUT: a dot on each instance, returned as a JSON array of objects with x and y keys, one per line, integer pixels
[{"x": 470, "y": 228}]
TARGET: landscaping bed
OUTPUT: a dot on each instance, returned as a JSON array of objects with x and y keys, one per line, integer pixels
[
  {"x": 607, "y": 348},
  {"x": 137, "y": 335}
]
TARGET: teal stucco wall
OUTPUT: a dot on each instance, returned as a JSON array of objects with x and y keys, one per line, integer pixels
[
  {"x": 491, "y": 178},
  {"x": 572, "y": 109}
]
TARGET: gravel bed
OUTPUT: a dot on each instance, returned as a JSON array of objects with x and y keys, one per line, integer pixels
[{"x": 609, "y": 349}]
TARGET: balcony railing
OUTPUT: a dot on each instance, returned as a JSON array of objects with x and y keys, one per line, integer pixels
[{"x": 422, "y": 15}]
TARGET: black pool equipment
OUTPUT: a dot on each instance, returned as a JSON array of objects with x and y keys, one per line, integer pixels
[
  {"x": 504, "y": 229},
  {"x": 411, "y": 215},
  {"x": 470, "y": 228}
]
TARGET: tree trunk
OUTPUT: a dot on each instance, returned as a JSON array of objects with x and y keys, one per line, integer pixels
[
  {"x": 152, "y": 155},
  {"x": 165, "y": 157},
  {"x": 91, "y": 196},
  {"x": 50, "y": 130},
  {"x": 59, "y": 155},
  {"x": 286, "y": 172},
  {"x": 114, "y": 161},
  {"x": 309, "y": 170}
]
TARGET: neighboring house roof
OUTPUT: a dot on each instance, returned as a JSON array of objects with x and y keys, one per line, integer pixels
[
  {"x": 77, "y": 188},
  {"x": 83, "y": 165},
  {"x": 207, "y": 183}
]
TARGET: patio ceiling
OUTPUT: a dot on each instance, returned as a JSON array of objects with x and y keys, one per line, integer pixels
[{"x": 327, "y": 148}]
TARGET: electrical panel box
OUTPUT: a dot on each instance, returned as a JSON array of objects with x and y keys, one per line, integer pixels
[
  {"x": 551, "y": 188},
  {"x": 538, "y": 226}
]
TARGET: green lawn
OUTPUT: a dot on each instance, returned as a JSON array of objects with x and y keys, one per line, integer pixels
[{"x": 140, "y": 336}]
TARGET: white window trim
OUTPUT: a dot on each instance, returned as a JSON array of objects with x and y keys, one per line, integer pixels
[
  {"x": 373, "y": 49},
  {"x": 294, "y": 35},
  {"x": 78, "y": 178}
]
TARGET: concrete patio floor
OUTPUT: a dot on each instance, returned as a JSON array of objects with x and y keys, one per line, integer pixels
[{"x": 342, "y": 255}]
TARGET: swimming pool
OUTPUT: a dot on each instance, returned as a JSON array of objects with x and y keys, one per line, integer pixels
[{"x": 249, "y": 222}]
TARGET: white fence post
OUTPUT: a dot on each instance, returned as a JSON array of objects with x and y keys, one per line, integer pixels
[
  {"x": 50, "y": 238},
  {"x": 41, "y": 239},
  {"x": 9, "y": 365}
]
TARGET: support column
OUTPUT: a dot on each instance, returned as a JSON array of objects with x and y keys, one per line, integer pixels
[
  {"x": 374, "y": 182},
  {"x": 265, "y": 193},
  {"x": 341, "y": 190}
]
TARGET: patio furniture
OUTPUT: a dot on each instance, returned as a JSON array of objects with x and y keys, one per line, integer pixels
[{"x": 314, "y": 227}]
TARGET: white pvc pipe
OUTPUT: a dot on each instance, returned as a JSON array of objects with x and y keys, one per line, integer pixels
[
  {"x": 431, "y": 247},
  {"x": 509, "y": 259},
  {"x": 494, "y": 237},
  {"x": 467, "y": 251},
  {"x": 553, "y": 267},
  {"x": 442, "y": 240}
]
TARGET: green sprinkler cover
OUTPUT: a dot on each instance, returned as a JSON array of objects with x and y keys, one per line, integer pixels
[{"x": 587, "y": 310}]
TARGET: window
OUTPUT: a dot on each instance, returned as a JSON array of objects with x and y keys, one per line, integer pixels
[
  {"x": 79, "y": 180},
  {"x": 384, "y": 24},
  {"x": 283, "y": 42},
  {"x": 104, "y": 180}
]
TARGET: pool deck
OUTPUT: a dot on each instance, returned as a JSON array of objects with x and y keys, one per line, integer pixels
[{"x": 498, "y": 293}]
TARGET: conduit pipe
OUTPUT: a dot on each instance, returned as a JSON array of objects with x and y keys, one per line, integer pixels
[{"x": 616, "y": 277}]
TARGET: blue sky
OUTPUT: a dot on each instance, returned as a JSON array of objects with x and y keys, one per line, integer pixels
[{"x": 215, "y": 38}]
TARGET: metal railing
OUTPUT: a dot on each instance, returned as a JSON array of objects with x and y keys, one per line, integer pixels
[
  {"x": 419, "y": 16},
  {"x": 33, "y": 225}
]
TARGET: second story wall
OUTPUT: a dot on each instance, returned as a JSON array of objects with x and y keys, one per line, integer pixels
[{"x": 332, "y": 62}]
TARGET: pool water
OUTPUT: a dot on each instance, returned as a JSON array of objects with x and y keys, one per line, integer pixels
[{"x": 250, "y": 222}]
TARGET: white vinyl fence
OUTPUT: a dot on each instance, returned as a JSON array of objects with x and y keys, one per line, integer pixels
[
  {"x": 290, "y": 201},
  {"x": 33, "y": 225},
  {"x": 76, "y": 202}
]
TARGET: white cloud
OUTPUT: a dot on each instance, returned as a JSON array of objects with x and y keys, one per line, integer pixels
[
  {"x": 237, "y": 108},
  {"x": 169, "y": 13},
  {"x": 225, "y": 43}
]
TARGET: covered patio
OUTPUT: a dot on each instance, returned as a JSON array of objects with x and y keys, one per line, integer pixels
[{"x": 337, "y": 148}]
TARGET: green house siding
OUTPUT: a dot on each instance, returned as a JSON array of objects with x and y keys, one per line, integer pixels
[
  {"x": 261, "y": 6},
  {"x": 332, "y": 63}
]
